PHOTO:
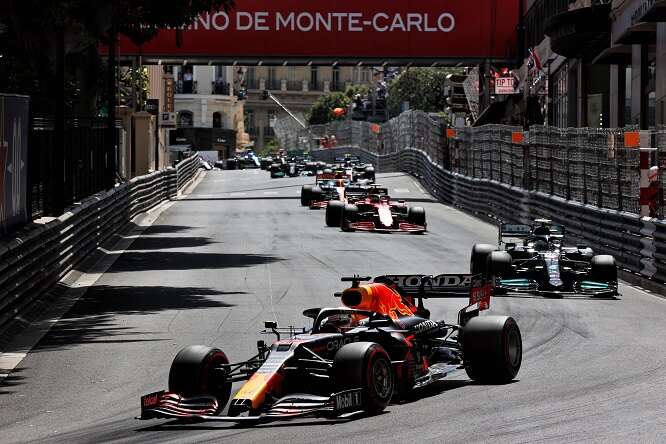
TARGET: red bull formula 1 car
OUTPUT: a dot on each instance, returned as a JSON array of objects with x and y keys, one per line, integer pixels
[
  {"x": 379, "y": 346},
  {"x": 377, "y": 212}
]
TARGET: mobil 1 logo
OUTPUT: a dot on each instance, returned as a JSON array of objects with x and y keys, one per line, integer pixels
[{"x": 349, "y": 400}]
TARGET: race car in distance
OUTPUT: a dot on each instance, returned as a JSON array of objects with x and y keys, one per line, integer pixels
[
  {"x": 535, "y": 260},
  {"x": 378, "y": 347},
  {"x": 335, "y": 185},
  {"x": 376, "y": 212}
]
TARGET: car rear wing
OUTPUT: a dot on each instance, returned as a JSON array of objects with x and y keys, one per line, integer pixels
[
  {"x": 513, "y": 231},
  {"x": 360, "y": 190},
  {"x": 355, "y": 159},
  {"x": 475, "y": 287}
]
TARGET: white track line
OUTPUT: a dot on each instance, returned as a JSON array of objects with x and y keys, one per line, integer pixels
[
  {"x": 418, "y": 186},
  {"x": 30, "y": 337},
  {"x": 401, "y": 190}
]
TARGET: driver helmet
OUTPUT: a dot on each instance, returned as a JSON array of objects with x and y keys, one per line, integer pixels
[
  {"x": 341, "y": 321},
  {"x": 540, "y": 245}
]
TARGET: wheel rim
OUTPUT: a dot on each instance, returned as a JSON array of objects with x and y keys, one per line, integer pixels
[
  {"x": 382, "y": 379},
  {"x": 514, "y": 348}
]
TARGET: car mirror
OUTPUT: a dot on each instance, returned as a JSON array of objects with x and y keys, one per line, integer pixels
[
  {"x": 311, "y": 312},
  {"x": 270, "y": 324}
]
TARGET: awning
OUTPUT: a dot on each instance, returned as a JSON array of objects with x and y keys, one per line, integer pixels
[
  {"x": 642, "y": 32},
  {"x": 204, "y": 139},
  {"x": 493, "y": 114},
  {"x": 582, "y": 32},
  {"x": 615, "y": 55},
  {"x": 655, "y": 11}
]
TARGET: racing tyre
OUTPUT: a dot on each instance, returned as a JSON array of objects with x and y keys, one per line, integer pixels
[
  {"x": 349, "y": 214},
  {"x": 367, "y": 366},
  {"x": 334, "y": 211},
  {"x": 194, "y": 372},
  {"x": 499, "y": 264},
  {"x": 416, "y": 216},
  {"x": 306, "y": 195},
  {"x": 316, "y": 194},
  {"x": 492, "y": 348},
  {"x": 479, "y": 259},
  {"x": 369, "y": 173},
  {"x": 603, "y": 268}
]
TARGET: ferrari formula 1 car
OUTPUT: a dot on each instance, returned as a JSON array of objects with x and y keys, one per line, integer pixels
[
  {"x": 336, "y": 186},
  {"x": 376, "y": 212},
  {"x": 379, "y": 347},
  {"x": 535, "y": 260}
]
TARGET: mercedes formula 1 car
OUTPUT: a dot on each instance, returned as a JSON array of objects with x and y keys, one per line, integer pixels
[
  {"x": 376, "y": 212},
  {"x": 380, "y": 346},
  {"x": 535, "y": 260}
]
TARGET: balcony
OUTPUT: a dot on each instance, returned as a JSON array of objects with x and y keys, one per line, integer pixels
[
  {"x": 252, "y": 83},
  {"x": 273, "y": 84},
  {"x": 220, "y": 88},
  {"x": 269, "y": 131},
  {"x": 316, "y": 86},
  {"x": 582, "y": 32},
  {"x": 294, "y": 85}
]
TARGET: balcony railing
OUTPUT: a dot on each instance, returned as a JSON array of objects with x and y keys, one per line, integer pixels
[
  {"x": 316, "y": 86},
  {"x": 295, "y": 85},
  {"x": 221, "y": 88},
  {"x": 252, "y": 83},
  {"x": 273, "y": 84},
  {"x": 183, "y": 87}
]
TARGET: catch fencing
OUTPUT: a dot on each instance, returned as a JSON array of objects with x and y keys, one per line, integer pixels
[
  {"x": 584, "y": 178},
  {"x": 39, "y": 255}
]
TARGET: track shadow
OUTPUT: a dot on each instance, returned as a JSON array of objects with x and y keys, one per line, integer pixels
[
  {"x": 419, "y": 200},
  {"x": 161, "y": 243},
  {"x": 165, "y": 229},
  {"x": 182, "y": 260},
  {"x": 190, "y": 199},
  {"x": 12, "y": 380},
  {"x": 94, "y": 317}
]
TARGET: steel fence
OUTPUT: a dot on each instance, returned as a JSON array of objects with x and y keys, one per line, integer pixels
[
  {"x": 83, "y": 163},
  {"x": 590, "y": 166}
]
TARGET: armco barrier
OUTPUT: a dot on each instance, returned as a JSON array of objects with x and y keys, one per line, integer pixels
[
  {"x": 638, "y": 244},
  {"x": 39, "y": 255}
]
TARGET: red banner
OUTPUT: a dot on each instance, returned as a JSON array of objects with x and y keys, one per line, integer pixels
[{"x": 430, "y": 29}]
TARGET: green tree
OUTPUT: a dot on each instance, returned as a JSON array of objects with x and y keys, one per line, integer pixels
[
  {"x": 423, "y": 88},
  {"x": 321, "y": 111},
  {"x": 28, "y": 31}
]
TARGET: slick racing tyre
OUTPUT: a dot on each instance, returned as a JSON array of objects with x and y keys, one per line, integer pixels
[
  {"x": 316, "y": 194},
  {"x": 479, "y": 258},
  {"x": 367, "y": 366},
  {"x": 492, "y": 348},
  {"x": 349, "y": 214},
  {"x": 369, "y": 173},
  {"x": 498, "y": 264},
  {"x": 306, "y": 195},
  {"x": 416, "y": 216},
  {"x": 334, "y": 211},
  {"x": 194, "y": 372},
  {"x": 603, "y": 268}
]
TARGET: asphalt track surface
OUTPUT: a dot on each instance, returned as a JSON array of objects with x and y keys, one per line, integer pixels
[{"x": 240, "y": 250}]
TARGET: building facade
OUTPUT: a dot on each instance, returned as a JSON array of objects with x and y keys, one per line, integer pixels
[
  {"x": 296, "y": 87},
  {"x": 602, "y": 63},
  {"x": 210, "y": 116}
]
